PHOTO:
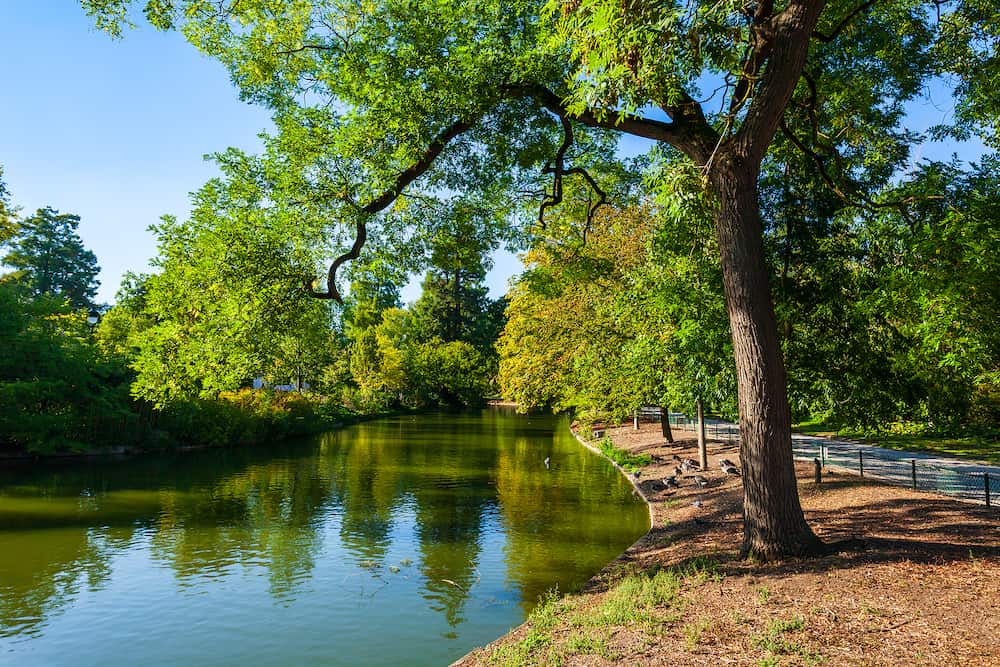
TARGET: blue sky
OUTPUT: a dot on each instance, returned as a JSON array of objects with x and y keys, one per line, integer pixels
[
  {"x": 115, "y": 131},
  {"x": 112, "y": 131}
]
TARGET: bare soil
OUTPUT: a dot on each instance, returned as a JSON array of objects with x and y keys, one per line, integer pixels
[{"x": 917, "y": 583}]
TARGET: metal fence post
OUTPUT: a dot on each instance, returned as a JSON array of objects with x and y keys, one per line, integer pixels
[
  {"x": 861, "y": 462},
  {"x": 913, "y": 470},
  {"x": 986, "y": 487}
]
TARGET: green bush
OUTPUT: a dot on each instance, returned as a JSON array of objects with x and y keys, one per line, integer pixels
[{"x": 623, "y": 458}]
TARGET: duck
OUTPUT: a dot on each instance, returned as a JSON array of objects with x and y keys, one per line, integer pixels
[{"x": 700, "y": 481}]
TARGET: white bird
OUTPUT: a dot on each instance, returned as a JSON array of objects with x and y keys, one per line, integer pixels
[
  {"x": 726, "y": 463},
  {"x": 731, "y": 470},
  {"x": 700, "y": 481},
  {"x": 689, "y": 465},
  {"x": 546, "y": 462}
]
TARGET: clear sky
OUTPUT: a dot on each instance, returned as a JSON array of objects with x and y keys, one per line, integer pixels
[
  {"x": 112, "y": 131},
  {"x": 115, "y": 131}
]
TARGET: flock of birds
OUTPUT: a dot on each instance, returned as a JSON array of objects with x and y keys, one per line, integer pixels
[
  {"x": 682, "y": 466},
  {"x": 688, "y": 466}
]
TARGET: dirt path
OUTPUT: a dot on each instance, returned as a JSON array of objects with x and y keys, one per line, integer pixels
[{"x": 923, "y": 590}]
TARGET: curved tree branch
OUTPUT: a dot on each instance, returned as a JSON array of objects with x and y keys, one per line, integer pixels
[
  {"x": 846, "y": 21},
  {"x": 382, "y": 201},
  {"x": 558, "y": 169},
  {"x": 862, "y": 200}
]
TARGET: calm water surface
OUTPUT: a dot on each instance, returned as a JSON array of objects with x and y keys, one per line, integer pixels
[{"x": 405, "y": 541}]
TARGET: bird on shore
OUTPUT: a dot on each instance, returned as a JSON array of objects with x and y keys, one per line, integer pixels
[
  {"x": 700, "y": 481},
  {"x": 678, "y": 472},
  {"x": 671, "y": 482},
  {"x": 731, "y": 470},
  {"x": 726, "y": 463},
  {"x": 690, "y": 465}
]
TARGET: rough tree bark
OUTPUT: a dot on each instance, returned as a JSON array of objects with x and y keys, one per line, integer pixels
[{"x": 774, "y": 525}]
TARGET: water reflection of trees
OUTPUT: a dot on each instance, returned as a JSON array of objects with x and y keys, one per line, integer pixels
[
  {"x": 562, "y": 522},
  {"x": 207, "y": 515}
]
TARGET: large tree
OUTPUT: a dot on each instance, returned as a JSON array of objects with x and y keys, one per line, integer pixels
[
  {"x": 370, "y": 97},
  {"x": 50, "y": 257}
]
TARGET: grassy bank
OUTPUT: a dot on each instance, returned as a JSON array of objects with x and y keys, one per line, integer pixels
[{"x": 921, "y": 589}]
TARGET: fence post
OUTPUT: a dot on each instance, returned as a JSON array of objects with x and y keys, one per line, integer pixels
[
  {"x": 986, "y": 487},
  {"x": 702, "y": 448},
  {"x": 819, "y": 471},
  {"x": 913, "y": 469},
  {"x": 861, "y": 462}
]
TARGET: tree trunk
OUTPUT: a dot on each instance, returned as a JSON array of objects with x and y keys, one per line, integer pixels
[
  {"x": 668, "y": 434},
  {"x": 773, "y": 526}
]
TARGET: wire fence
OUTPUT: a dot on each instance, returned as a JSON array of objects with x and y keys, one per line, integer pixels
[{"x": 969, "y": 481}]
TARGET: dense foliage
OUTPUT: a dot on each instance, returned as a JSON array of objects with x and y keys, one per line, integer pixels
[
  {"x": 471, "y": 96},
  {"x": 49, "y": 258}
]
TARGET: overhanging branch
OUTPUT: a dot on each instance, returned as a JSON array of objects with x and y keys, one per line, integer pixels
[
  {"x": 846, "y": 21},
  {"x": 558, "y": 169},
  {"x": 384, "y": 200},
  {"x": 859, "y": 199}
]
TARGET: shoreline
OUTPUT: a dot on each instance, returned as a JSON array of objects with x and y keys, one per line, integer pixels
[
  {"x": 600, "y": 576},
  {"x": 922, "y": 565}
]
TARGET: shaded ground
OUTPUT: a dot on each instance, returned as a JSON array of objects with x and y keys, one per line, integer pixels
[{"x": 922, "y": 590}]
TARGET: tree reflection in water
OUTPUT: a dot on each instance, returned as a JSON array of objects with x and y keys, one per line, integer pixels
[{"x": 439, "y": 508}]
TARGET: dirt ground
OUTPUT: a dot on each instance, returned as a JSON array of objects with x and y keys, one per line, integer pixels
[{"x": 920, "y": 586}]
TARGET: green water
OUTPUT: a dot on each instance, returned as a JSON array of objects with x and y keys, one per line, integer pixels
[{"x": 405, "y": 541}]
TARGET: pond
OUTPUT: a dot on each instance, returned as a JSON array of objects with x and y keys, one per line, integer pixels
[{"x": 402, "y": 541}]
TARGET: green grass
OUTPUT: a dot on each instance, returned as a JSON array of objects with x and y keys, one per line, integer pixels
[
  {"x": 646, "y": 600},
  {"x": 538, "y": 639},
  {"x": 775, "y": 642},
  {"x": 635, "y": 600},
  {"x": 907, "y": 437},
  {"x": 630, "y": 462},
  {"x": 694, "y": 631}
]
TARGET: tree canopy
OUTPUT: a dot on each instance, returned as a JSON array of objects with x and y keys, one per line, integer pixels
[
  {"x": 403, "y": 101},
  {"x": 50, "y": 258}
]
